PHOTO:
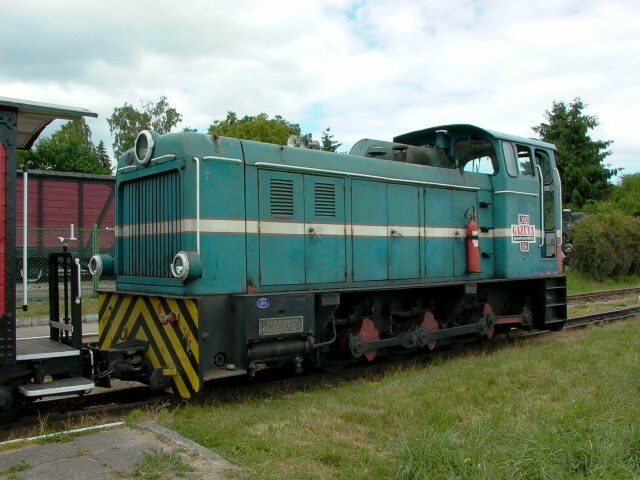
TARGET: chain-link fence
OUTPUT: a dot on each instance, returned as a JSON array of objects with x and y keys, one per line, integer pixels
[{"x": 43, "y": 241}]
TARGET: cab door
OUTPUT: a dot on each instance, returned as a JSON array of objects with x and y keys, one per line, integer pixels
[{"x": 549, "y": 182}]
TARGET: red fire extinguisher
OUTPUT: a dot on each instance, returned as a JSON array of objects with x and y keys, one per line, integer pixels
[{"x": 473, "y": 246}]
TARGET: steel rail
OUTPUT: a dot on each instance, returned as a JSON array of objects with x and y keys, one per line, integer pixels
[
  {"x": 600, "y": 317},
  {"x": 605, "y": 294}
]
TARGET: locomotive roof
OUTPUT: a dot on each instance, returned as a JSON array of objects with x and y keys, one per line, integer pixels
[
  {"x": 415, "y": 138},
  {"x": 33, "y": 117}
]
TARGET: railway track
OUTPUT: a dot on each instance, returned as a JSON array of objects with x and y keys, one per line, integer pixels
[
  {"x": 606, "y": 316},
  {"x": 606, "y": 295},
  {"x": 113, "y": 404}
]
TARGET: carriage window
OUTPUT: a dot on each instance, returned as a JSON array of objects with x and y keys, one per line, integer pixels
[
  {"x": 525, "y": 163},
  {"x": 510, "y": 159},
  {"x": 476, "y": 155}
]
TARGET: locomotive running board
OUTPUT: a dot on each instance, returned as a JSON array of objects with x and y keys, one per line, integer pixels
[
  {"x": 57, "y": 387},
  {"x": 217, "y": 373}
]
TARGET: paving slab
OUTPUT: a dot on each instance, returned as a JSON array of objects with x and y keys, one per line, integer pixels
[{"x": 107, "y": 455}]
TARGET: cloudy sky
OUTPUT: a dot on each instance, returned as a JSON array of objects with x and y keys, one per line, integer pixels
[{"x": 365, "y": 68}]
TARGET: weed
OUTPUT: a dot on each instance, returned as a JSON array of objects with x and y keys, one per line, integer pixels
[
  {"x": 155, "y": 411},
  {"x": 160, "y": 465},
  {"x": 12, "y": 473}
]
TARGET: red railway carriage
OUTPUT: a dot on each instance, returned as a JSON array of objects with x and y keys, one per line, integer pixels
[
  {"x": 21, "y": 122},
  {"x": 57, "y": 200},
  {"x": 62, "y": 198}
]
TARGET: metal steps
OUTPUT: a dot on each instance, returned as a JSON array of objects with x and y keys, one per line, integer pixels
[
  {"x": 555, "y": 313},
  {"x": 42, "y": 348},
  {"x": 57, "y": 387}
]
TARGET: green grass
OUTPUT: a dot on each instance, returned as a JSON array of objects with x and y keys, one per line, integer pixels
[
  {"x": 160, "y": 465},
  {"x": 577, "y": 309},
  {"x": 40, "y": 308},
  {"x": 562, "y": 408},
  {"x": 578, "y": 284},
  {"x": 13, "y": 472}
]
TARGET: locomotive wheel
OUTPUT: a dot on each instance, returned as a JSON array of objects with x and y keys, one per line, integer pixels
[
  {"x": 367, "y": 332},
  {"x": 427, "y": 321},
  {"x": 489, "y": 316}
]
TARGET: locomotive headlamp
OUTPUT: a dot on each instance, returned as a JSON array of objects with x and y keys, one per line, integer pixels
[
  {"x": 144, "y": 147},
  {"x": 186, "y": 266},
  {"x": 101, "y": 265}
]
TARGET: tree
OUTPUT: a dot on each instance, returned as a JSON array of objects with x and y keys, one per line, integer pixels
[
  {"x": 126, "y": 122},
  {"x": 261, "y": 128},
  {"x": 328, "y": 144},
  {"x": 584, "y": 176},
  {"x": 103, "y": 156},
  {"x": 70, "y": 149}
]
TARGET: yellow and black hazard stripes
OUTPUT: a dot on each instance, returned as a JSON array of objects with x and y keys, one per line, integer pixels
[{"x": 170, "y": 325}]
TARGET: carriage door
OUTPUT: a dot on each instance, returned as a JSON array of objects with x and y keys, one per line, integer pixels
[
  {"x": 324, "y": 229},
  {"x": 547, "y": 205}
]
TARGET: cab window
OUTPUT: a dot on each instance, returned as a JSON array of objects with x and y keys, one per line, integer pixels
[
  {"x": 476, "y": 155},
  {"x": 542, "y": 159},
  {"x": 525, "y": 161},
  {"x": 510, "y": 159}
]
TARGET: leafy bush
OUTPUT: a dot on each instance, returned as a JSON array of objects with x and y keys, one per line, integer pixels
[
  {"x": 606, "y": 245},
  {"x": 627, "y": 195}
]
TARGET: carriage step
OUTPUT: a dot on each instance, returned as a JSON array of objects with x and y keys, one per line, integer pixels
[
  {"x": 43, "y": 348},
  {"x": 57, "y": 387}
]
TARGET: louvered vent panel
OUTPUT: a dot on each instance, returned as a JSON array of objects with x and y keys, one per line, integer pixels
[
  {"x": 325, "y": 199},
  {"x": 281, "y": 196},
  {"x": 152, "y": 234}
]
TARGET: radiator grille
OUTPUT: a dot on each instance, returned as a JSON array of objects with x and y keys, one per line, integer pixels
[
  {"x": 281, "y": 196},
  {"x": 150, "y": 222},
  {"x": 325, "y": 199}
]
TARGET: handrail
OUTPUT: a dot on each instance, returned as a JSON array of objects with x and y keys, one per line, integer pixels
[
  {"x": 197, "y": 160},
  {"x": 25, "y": 241},
  {"x": 541, "y": 206}
]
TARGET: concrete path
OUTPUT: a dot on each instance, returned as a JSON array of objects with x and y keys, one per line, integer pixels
[{"x": 108, "y": 454}]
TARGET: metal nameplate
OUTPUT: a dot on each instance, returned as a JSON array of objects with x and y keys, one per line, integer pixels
[{"x": 280, "y": 325}]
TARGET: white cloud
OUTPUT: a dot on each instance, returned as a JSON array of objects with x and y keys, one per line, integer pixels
[{"x": 365, "y": 68}]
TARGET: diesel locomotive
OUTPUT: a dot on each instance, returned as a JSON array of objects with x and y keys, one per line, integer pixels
[{"x": 233, "y": 256}]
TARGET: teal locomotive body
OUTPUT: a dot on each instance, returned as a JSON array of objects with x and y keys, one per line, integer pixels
[{"x": 234, "y": 255}]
